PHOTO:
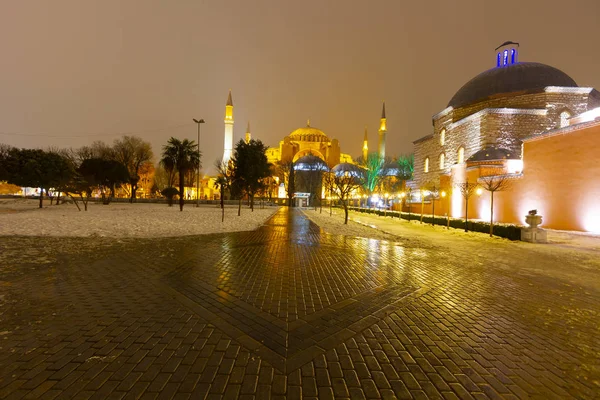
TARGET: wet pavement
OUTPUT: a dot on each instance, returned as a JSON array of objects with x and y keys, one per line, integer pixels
[{"x": 288, "y": 311}]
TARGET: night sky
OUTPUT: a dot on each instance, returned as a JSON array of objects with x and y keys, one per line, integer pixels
[{"x": 77, "y": 71}]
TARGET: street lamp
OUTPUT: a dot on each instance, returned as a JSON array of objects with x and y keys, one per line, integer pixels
[{"x": 198, "y": 122}]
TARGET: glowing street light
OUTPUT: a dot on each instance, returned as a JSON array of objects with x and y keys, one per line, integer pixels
[{"x": 198, "y": 122}]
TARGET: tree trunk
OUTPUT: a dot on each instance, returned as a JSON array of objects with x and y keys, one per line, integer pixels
[
  {"x": 251, "y": 200},
  {"x": 41, "y": 197},
  {"x": 132, "y": 199},
  {"x": 240, "y": 206},
  {"x": 345, "y": 203},
  {"x": 181, "y": 187},
  {"x": 432, "y": 210},
  {"x": 422, "y": 205},
  {"x": 491, "y": 214},
  {"x": 466, "y": 213},
  {"x": 75, "y": 201},
  {"x": 223, "y": 198}
]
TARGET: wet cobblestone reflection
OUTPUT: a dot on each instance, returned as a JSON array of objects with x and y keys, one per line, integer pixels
[{"x": 291, "y": 312}]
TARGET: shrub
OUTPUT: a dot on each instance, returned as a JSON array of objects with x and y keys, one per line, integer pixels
[
  {"x": 169, "y": 193},
  {"x": 508, "y": 231}
]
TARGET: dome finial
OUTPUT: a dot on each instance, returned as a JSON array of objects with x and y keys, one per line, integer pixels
[{"x": 308, "y": 123}]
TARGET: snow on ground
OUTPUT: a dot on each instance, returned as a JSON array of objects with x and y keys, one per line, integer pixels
[
  {"x": 21, "y": 217},
  {"x": 572, "y": 256}
]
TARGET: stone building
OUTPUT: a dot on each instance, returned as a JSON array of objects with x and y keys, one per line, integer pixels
[
  {"x": 308, "y": 141},
  {"x": 499, "y": 108}
]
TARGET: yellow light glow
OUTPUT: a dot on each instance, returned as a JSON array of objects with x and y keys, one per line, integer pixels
[
  {"x": 403, "y": 195},
  {"x": 479, "y": 191},
  {"x": 443, "y": 193}
]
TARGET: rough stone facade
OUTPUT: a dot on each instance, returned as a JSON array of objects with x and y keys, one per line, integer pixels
[{"x": 503, "y": 121}]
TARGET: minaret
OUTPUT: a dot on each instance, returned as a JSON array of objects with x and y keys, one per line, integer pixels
[
  {"x": 248, "y": 135},
  {"x": 382, "y": 133},
  {"x": 365, "y": 147},
  {"x": 228, "y": 146}
]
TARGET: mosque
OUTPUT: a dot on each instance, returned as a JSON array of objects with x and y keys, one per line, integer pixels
[
  {"x": 303, "y": 142},
  {"x": 500, "y": 121}
]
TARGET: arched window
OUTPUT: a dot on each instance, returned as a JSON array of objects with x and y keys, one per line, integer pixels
[
  {"x": 513, "y": 56},
  {"x": 564, "y": 119},
  {"x": 461, "y": 155},
  {"x": 505, "y": 57},
  {"x": 442, "y": 161},
  {"x": 426, "y": 168},
  {"x": 499, "y": 62},
  {"x": 442, "y": 137}
]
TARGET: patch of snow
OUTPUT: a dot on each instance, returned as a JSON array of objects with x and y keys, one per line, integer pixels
[{"x": 21, "y": 217}]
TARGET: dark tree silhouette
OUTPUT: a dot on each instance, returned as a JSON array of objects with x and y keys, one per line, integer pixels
[
  {"x": 182, "y": 156},
  {"x": 250, "y": 167},
  {"x": 107, "y": 175},
  {"x": 36, "y": 168},
  {"x": 132, "y": 152},
  {"x": 169, "y": 193}
]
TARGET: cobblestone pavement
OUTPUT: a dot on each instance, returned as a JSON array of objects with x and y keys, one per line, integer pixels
[{"x": 290, "y": 312}]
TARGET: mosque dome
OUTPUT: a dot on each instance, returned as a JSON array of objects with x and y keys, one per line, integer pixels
[
  {"x": 344, "y": 168},
  {"x": 517, "y": 77},
  {"x": 309, "y": 134},
  {"x": 310, "y": 162}
]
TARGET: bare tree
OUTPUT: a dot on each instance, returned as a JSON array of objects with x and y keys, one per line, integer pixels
[
  {"x": 467, "y": 189},
  {"x": 494, "y": 181},
  {"x": 328, "y": 183},
  {"x": 132, "y": 152},
  {"x": 434, "y": 193},
  {"x": 285, "y": 170},
  {"x": 223, "y": 183},
  {"x": 344, "y": 184}
]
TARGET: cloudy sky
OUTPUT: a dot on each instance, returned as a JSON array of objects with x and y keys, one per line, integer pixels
[{"x": 77, "y": 71}]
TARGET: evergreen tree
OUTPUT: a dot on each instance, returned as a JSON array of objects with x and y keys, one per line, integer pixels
[{"x": 250, "y": 167}]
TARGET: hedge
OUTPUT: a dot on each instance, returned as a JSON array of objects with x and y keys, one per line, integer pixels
[{"x": 508, "y": 231}]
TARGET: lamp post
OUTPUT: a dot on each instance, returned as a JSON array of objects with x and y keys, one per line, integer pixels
[{"x": 198, "y": 122}]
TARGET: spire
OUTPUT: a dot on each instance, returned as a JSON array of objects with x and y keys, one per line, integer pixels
[
  {"x": 248, "y": 135},
  {"x": 365, "y": 148},
  {"x": 229, "y": 101},
  {"x": 308, "y": 123},
  {"x": 383, "y": 111}
]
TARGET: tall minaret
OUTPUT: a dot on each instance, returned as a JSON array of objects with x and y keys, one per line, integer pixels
[
  {"x": 248, "y": 135},
  {"x": 382, "y": 133},
  {"x": 365, "y": 147},
  {"x": 228, "y": 147}
]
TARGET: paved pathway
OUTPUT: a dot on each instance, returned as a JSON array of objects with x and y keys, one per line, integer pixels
[{"x": 290, "y": 312}]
